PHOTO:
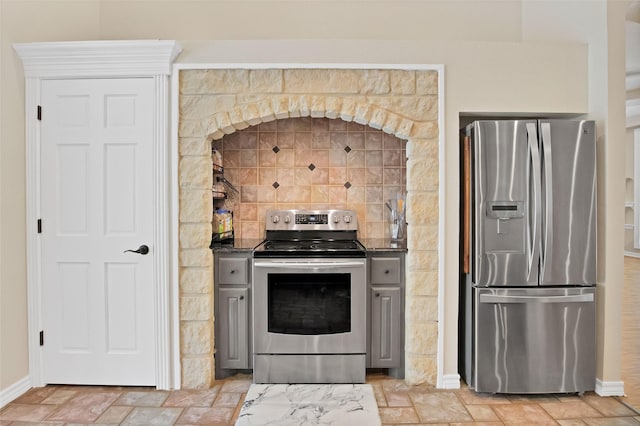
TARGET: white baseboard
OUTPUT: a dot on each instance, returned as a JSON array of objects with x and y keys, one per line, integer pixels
[
  {"x": 450, "y": 381},
  {"x": 632, "y": 253},
  {"x": 609, "y": 388},
  {"x": 15, "y": 390}
]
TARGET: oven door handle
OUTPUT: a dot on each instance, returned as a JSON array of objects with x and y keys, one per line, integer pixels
[{"x": 307, "y": 265}]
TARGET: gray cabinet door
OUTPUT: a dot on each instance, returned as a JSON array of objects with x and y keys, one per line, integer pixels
[
  {"x": 232, "y": 345},
  {"x": 386, "y": 330}
]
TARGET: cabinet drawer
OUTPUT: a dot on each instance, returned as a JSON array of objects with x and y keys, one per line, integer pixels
[
  {"x": 233, "y": 270},
  {"x": 385, "y": 270}
]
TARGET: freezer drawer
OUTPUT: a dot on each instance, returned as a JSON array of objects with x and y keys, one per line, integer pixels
[{"x": 533, "y": 340}]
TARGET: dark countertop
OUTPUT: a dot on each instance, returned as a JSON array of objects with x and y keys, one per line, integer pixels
[
  {"x": 384, "y": 244},
  {"x": 247, "y": 245},
  {"x": 235, "y": 245}
]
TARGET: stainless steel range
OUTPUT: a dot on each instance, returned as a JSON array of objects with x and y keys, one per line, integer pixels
[{"x": 309, "y": 305}]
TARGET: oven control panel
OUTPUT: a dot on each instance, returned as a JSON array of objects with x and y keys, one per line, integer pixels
[
  {"x": 311, "y": 219},
  {"x": 300, "y": 220}
]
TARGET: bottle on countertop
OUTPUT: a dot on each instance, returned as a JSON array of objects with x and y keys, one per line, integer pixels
[{"x": 222, "y": 221}]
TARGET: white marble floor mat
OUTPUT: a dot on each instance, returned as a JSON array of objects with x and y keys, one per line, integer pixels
[{"x": 298, "y": 405}]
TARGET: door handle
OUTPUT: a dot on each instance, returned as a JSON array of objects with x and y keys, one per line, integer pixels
[
  {"x": 143, "y": 249},
  {"x": 491, "y": 298}
]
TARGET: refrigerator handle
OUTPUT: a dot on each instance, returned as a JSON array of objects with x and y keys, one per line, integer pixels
[
  {"x": 534, "y": 254},
  {"x": 547, "y": 241},
  {"x": 575, "y": 298}
]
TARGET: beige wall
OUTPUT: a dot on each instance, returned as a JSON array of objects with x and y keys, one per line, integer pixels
[
  {"x": 602, "y": 26},
  {"x": 23, "y": 21},
  {"x": 479, "y": 42}
]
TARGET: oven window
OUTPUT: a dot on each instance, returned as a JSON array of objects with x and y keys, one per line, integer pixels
[{"x": 309, "y": 303}]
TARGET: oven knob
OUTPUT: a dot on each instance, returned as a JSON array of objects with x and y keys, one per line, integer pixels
[
  {"x": 287, "y": 219},
  {"x": 275, "y": 219},
  {"x": 336, "y": 219},
  {"x": 347, "y": 219}
]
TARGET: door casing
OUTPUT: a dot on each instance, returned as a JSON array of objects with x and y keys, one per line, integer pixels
[{"x": 102, "y": 59}]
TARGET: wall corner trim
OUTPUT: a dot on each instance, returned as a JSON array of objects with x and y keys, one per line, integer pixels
[
  {"x": 609, "y": 388},
  {"x": 15, "y": 390},
  {"x": 449, "y": 381}
]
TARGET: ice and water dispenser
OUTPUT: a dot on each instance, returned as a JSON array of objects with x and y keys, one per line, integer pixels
[{"x": 505, "y": 227}]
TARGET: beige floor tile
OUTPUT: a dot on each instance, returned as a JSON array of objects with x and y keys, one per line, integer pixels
[
  {"x": 84, "y": 407},
  {"x": 379, "y": 394},
  {"x": 523, "y": 414},
  {"x": 236, "y": 385},
  {"x": 143, "y": 399},
  {"x": 400, "y": 415},
  {"x": 236, "y": 413},
  {"x": 191, "y": 398},
  {"x": 150, "y": 416},
  {"x": 60, "y": 396},
  {"x": 394, "y": 385},
  {"x": 26, "y": 412},
  {"x": 571, "y": 422},
  {"x": 208, "y": 416},
  {"x": 227, "y": 399},
  {"x": 114, "y": 415},
  {"x": 608, "y": 406},
  {"x": 569, "y": 410},
  {"x": 439, "y": 407},
  {"x": 398, "y": 399},
  {"x": 612, "y": 421},
  {"x": 482, "y": 413},
  {"x": 35, "y": 395}
]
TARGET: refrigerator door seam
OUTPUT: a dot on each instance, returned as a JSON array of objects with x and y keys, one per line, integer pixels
[
  {"x": 532, "y": 140},
  {"x": 547, "y": 251}
]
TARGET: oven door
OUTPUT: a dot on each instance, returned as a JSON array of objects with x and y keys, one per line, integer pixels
[{"x": 309, "y": 306}]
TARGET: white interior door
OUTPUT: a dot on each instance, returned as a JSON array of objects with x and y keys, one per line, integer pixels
[{"x": 96, "y": 202}]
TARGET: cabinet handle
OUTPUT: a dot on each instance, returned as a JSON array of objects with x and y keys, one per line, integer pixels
[
  {"x": 387, "y": 271},
  {"x": 377, "y": 294},
  {"x": 241, "y": 297},
  {"x": 233, "y": 271}
]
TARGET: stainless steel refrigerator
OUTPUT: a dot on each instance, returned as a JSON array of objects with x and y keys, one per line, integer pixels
[{"x": 528, "y": 256}]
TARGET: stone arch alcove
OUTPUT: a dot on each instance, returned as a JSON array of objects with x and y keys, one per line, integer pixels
[{"x": 218, "y": 102}]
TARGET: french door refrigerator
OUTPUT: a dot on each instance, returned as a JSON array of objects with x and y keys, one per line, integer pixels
[{"x": 528, "y": 256}]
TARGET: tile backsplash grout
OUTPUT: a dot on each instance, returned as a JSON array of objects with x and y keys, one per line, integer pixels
[{"x": 310, "y": 163}]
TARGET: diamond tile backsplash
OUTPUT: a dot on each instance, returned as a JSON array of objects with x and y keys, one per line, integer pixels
[{"x": 307, "y": 163}]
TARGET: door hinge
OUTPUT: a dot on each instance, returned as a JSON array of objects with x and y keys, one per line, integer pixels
[
  {"x": 39, "y": 226},
  {"x": 39, "y": 113},
  {"x": 42, "y": 338}
]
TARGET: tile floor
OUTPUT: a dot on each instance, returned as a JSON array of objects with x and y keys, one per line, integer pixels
[{"x": 398, "y": 403}]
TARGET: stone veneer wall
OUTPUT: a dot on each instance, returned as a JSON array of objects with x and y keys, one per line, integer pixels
[{"x": 214, "y": 103}]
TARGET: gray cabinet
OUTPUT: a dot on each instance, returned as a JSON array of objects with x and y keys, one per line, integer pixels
[
  {"x": 232, "y": 341},
  {"x": 232, "y": 311},
  {"x": 386, "y": 312},
  {"x": 385, "y": 327}
]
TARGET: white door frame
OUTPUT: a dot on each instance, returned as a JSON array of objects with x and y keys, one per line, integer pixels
[{"x": 101, "y": 59}]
